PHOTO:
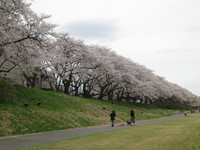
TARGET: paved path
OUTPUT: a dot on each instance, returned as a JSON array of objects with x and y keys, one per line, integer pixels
[{"x": 21, "y": 141}]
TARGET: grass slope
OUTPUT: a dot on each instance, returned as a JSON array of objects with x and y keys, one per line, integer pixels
[
  {"x": 181, "y": 134},
  {"x": 60, "y": 111}
]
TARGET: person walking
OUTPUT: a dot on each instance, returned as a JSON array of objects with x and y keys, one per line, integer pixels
[
  {"x": 132, "y": 114},
  {"x": 112, "y": 117}
]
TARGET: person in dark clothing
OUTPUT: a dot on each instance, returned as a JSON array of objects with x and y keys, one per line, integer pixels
[
  {"x": 112, "y": 117},
  {"x": 132, "y": 114}
]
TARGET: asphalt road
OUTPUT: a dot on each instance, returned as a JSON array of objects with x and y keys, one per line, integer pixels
[{"x": 21, "y": 141}]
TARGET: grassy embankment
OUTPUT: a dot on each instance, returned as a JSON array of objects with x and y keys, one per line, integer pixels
[
  {"x": 60, "y": 111},
  {"x": 181, "y": 134}
]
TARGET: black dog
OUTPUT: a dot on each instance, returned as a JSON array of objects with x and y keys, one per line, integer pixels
[{"x": 129, "y": 123}]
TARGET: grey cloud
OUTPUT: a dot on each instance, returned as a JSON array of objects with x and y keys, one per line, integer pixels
[{"x": 89, "y": 29}]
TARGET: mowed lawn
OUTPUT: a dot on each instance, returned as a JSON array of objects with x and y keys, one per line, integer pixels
[{"x": 180, "y": 134}]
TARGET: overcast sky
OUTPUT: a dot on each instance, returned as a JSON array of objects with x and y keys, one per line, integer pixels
[{"x": 163, "y": 35}]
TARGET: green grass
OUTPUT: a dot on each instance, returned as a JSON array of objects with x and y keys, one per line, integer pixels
[
  {"x": 181, "y": 134},
  {"x": 60, "y": 111}
]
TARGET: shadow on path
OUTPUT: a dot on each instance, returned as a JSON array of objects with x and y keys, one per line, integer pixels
[{"x": 21, "y": 141}]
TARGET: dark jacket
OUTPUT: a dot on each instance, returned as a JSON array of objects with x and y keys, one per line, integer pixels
[
  {"x": 112, "y": 116},
  {"x": 132, "y": 114}
]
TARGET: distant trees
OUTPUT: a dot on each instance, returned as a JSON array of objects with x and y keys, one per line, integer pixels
[{"x": 28, "y": 42}]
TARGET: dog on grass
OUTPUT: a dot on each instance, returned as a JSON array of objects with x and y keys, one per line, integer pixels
[{"x": 129, "y": 123}]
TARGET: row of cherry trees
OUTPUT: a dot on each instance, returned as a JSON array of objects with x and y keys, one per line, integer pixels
[{"x": 29, "y": 43}]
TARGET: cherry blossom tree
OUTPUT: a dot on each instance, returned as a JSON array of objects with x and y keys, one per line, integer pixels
[
  {"x": 20, "y": 30},
  {"x": 64, "y": 60}
]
